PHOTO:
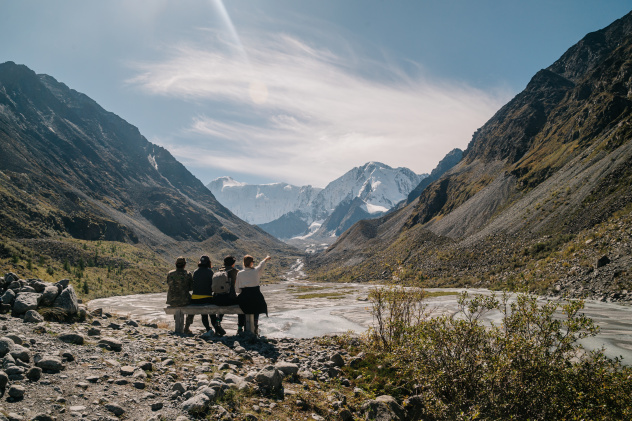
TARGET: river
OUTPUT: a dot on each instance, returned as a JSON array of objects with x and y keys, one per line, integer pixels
[{"x": 299, "y": 308}]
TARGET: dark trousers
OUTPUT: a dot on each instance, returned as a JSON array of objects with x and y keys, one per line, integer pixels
[{"x": 207, "y": 300}]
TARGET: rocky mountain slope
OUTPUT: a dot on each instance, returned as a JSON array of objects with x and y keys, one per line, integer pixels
[
  {"x": 70, "y": 169},
  {"x": 548, "y": 172},
  {"x": 363, "y": 192}
]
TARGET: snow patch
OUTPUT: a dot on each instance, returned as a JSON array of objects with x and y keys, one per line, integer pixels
[
  {"x": 152, "y": 161},
  {"x": 374, "y": 208}
]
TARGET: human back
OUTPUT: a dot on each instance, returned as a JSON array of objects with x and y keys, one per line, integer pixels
[{"x": 179, "y": 283}]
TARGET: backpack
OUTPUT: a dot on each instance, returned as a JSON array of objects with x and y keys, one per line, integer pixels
[{"x": 221, "y": 282}]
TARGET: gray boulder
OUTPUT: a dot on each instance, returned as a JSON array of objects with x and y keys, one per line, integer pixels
[
  {"x": 288, "y": 369},
  {"x": 337, "y": 359},
  {"x": 20, "y": 353},
  {"x": 110, "y": 344},
  {"x": 10, "y": 277},
  {"x": 67, "y": 300},
  {"x": 49, "y": 363},
  {"x": 383, "y": 408},
  {"x": 72, "y": 338},
  {"x": 114, "y": 408},
  {"x": 414, "y": 407},
  {"x": 37, "y": 285},
  {"x": 6, "y": 345},
  {"x": 48, "y": 296},
  {"x": 32, "y": 316},
  {"x": 26, "y": 301},
  {"x": 270, "y": 377},
  {"x": 4, "y": 379},
  {"x": 17, "y": 392},
  {"x": 63, "y": 284},
  {"x": 8, "y": 297},
  {"x": 197, "y": 404}
]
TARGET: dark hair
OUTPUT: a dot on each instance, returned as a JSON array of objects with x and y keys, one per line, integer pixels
[
  {"x": 248, "y": 260},
  {"x": 229, "y": 261},
  {"x": 181, "y": 262},
  {"x": 205, "y": 261}
]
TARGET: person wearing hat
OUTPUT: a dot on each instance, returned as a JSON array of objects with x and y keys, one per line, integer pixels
[
  {"x": 202, "y": 291},
  {"x": 179, "y": 282},
  {"x": 229, "y": 298}
]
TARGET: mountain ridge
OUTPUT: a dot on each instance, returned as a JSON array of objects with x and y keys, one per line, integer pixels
[
  {"x": 550, "y": 167},
  {"x": 313, "y": 206}
]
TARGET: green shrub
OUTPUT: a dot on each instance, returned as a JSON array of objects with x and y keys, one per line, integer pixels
[{"x": 529, "y": 367}]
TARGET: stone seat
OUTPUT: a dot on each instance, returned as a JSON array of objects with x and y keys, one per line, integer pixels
[{"x": 180, "y": 312}]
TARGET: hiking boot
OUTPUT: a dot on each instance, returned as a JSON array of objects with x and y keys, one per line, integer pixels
[{"x": 219, "y": 330}]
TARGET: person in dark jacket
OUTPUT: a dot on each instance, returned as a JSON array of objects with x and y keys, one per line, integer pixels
[
  {"x": 229, "y": 298},
  {"x": 202, "y": 290},
  {"x": 250, "y": 298}
]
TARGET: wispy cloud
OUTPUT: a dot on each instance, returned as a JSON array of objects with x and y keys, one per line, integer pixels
[{"x": 302, "y": 114}]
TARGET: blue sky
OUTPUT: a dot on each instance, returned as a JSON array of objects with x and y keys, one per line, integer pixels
[{"x": 299, "y": 91}]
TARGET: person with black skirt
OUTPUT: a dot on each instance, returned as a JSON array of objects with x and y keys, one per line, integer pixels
[{"x": 250, "y": 298}]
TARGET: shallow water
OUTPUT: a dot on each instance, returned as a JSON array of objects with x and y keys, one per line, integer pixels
[{"x": 347, "y": 310}]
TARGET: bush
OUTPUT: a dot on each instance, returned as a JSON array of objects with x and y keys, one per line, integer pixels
[{"x": 529, "y": 367}]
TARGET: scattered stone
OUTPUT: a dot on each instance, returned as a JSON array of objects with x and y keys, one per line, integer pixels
[
  {"x": 17, "y": 391},
  {"x": 111, "y": 344},
  {"x": 4, "y": 379},
  {"x": 146, "y": 365},
  {"x": 270, "y": 377},
  {"x": 50, "y": 364},
  {"x": 34, "y": 374},
  {"x": 602, "y": 261},
  {"x": 93, "y": 331},
  {"x": 115, "y": 409},
  {"x": 72, "y": 338},
  {"x": 26, "y": 301},
  {"x": 383, "y": 408},
  {"x": 32, "y": 316},
  {"x": 67, "y": 300},
  {"x": 157, "y": 406},
  {"x": 127, "y": 370},
  {"x": 196, "y": 405},
  {"x": 288, "y": 369},
  {"x": 49, "y": 295},
  {"x": 337, "y": 360}
]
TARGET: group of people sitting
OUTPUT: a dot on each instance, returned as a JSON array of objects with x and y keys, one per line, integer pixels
[{"x": 227, "y": 286}]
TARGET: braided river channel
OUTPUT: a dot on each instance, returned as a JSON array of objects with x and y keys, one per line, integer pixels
[{"x": 300, "y": 309}]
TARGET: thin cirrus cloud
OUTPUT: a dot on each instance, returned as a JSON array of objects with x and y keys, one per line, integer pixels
[{"x": 292, "y": 112}]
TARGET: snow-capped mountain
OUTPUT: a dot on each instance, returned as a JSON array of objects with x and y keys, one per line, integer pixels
[
  {"x": 287, "y": 211},
  {"x": 260, "y": 203}
]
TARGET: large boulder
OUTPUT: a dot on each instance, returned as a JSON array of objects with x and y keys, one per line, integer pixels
[
  {"x": 383, "y": 408},
  {"x": 414, "y": 406},
  {"x": 26, "y": 301},
  {"x": 8, "y": 297},
  {"x": 270, "y": 377},
  {"x": 33, "y": 316},
  {"x": 197, "y": 404},
  {"x": 67, "y": 300},
  {"x": 6, "y": 346},
  {"x": 288, "y": 369},
  {"x": 48, "y": 296},
  {"x": 49, "y": 363},
  {"x": 37, "y": 284}
]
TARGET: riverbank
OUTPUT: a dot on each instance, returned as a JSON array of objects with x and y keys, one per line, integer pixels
[{"x": 299, "y": 309}]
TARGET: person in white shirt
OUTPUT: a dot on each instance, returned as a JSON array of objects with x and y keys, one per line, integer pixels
[{"x": 250, "y": 298}]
